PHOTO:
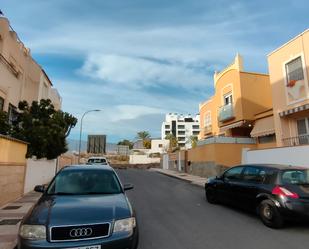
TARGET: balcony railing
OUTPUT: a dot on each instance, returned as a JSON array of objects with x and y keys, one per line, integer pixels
[
  {"x": 295, "y": 141},
  {"x": 226, "y": 112},
  {"x": 207, "y": 129},
  {"x": 227, "y": 140}
]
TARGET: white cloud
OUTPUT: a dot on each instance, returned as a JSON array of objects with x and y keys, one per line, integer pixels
[{"x": 137, "y": 72}]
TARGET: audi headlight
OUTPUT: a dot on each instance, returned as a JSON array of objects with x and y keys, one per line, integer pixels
[
  {"x": 33, "y": 232},
  {"x": 125, "y": 225}
]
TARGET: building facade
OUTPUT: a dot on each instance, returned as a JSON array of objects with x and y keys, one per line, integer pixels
[
  {"x": 288, "y": 68},
  {"x": 183, "y": 127},
  {"x": 239, "y": 97},
  {"x": 21, "y": 78}
]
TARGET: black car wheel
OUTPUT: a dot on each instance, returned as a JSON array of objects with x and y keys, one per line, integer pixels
[
  {"x": 211, "y": 196},
  {"x": 270, "y": 215}
]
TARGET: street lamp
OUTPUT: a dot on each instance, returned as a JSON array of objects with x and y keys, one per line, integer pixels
[{"x": 81, "y": 129}]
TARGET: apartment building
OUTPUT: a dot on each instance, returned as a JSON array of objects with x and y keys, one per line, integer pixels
[
  {"x": 289, "y": 74},
  {"x": 241, "y": 98},
  {"x": 182, "y": 127},
  {"x": 21, "y": 78}
]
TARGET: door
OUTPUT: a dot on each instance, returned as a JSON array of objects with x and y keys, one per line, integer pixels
[
  {"x": 250, "y": 186},
  {"x": 230, "y": 179},
  {"x": 303, "y": 131}
]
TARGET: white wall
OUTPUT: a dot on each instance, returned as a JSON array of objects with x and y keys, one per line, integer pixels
[
  {"x": 39, "y": 172},
  {"x": 155, "y": 146},
  {"x": 296, "y": 156},
  {"x": 143, "y": 159}
]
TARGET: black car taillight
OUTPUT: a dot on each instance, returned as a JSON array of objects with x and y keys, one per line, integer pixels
[{"x": 284, "y": 192}]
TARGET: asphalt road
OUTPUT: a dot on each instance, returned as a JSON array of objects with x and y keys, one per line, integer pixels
[{"x": 173, "y": 214}]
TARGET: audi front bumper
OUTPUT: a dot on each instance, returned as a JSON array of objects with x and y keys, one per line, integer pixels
[{"x": 115, "y": 241}]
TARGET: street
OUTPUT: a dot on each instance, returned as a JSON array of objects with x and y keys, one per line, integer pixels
[{"x": 174, "y": 214}]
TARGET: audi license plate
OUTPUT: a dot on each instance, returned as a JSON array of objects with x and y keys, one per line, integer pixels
[{"x": 87, "y": 247}]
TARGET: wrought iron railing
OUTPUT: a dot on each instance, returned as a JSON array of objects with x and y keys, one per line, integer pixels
[{"x": 295, "y": 141}]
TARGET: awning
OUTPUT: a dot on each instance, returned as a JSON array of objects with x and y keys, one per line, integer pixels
[
  {"x": 294, "y": 110},
  {"x": 263, "y": 127},
  {"x": 230, "y": 126}
]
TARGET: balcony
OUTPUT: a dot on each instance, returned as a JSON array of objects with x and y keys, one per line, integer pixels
[
  {"x": 295, "y": 141},
  {"x": 226, "y": 113},
  {"x": 208, "y": 129}
]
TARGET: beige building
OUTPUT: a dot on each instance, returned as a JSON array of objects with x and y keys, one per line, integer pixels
[
  {"x": 288, "y": 68},
  {"x": 21, "y": 78}
]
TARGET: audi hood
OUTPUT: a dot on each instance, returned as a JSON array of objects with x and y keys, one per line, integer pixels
[{"x": 57, "y": 210}]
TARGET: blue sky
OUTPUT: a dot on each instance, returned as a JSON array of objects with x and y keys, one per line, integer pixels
[{"x": 137, "y": 60}]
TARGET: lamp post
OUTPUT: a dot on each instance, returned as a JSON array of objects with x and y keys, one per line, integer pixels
[{"x": 81, "y": 130}]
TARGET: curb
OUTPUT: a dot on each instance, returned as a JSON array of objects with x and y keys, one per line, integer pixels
[{"x": 178, "y": 177}]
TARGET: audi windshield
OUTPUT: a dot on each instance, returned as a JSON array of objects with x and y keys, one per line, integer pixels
[{"x": 85, "y": 182}]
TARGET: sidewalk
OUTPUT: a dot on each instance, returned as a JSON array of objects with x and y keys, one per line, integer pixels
[
  {"x": 196, "y": 180},
  {"x": 10, "y": 217}
]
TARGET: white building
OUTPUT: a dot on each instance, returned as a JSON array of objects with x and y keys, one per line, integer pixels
[
  {"x": 182, "y": 126},
  {"x": 159, "y": 146}
]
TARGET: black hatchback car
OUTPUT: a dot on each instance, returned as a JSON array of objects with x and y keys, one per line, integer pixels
[
  {"x": 84, "y": 207},
  {"x": 277, "y": 192}
]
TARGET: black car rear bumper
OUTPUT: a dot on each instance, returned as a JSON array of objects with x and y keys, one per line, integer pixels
[{"x": 294, "y": 209}]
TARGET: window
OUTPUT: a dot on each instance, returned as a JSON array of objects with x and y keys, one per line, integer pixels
[
  {"x": 195, "y": 132},
  {"x": 167, "y": 127},
  {"x": 297, "y": 177},
  {"x": 12, "y": 113},
  {"x": 85, "y": 182},
  {"x": 207, "y": 121},
  {"x": 267, "y": 139},
  {"x": 195, "y": 127},
  {"x": 233, "y": 174},
  {"x": 181, "y": 132},
  {"x": 1, "y": 104},
  {"x": 253, "y": 174},
  {"x": 160, "y": 145},
  {"x": 167, "y": 132},
  {"x": 181, "y": 127},
  {"x": 228, "y": 99},
  {"x": 294, "y": 71}
]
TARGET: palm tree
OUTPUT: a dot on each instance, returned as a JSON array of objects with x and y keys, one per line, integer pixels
[
  {"x": 193, "y": 140},
  {"x": 173, "y": 141},
  {"x": 145, "y": 137}
]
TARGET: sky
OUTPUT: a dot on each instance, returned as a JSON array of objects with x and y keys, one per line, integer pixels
[{"x": 137, "y": 60}]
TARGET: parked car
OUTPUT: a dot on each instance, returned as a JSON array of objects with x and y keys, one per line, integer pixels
[
  {"x": 97, "y": 161},
  {"x": 84, "y": 207},
  {"x": 277, "y": 192}
]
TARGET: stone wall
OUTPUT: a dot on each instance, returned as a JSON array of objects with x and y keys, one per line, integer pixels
[{"x": 206, "y": 169}]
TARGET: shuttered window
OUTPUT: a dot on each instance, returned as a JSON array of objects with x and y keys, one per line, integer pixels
[{"x": 294, "y": 70}]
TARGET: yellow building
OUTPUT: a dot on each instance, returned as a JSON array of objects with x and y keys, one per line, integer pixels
[
  {"x": 288, "y": 68},
  {"x": 239, "y": 97}
]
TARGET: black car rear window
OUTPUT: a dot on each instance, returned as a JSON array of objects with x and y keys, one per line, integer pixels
[
  {"x": 295, "y": 176},
  {"x": 97, "y": 160}
]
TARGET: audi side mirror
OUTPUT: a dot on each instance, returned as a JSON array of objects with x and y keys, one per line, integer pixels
[
  {"x": 128, "y": 186},
  {"x": 39, "y": 188}
]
